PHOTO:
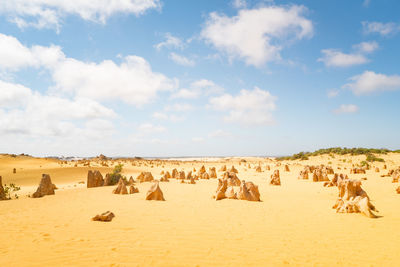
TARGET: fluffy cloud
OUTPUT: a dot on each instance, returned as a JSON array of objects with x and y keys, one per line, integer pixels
[
  {"x": 366, "y": 47},
  {"x": 165, "y": 116},
  {"x": 346, "y": 109},
  {"x": 133, "y": 81},
  {"x": 170, "y": 42},
  {"x": 383, "y": 29},
  {"x": 49, "y": 13},
  {"x": 332, "y": 93},
  {"x": 239, "y": 3},
  {"x": 179, "y": 107},
  {"x": 23, "y": 111},
  {"x": 257, "y": 35},
  {"x": 248, "y": 107},
  {"x": 198, "y": 88},
  {"x": 148, "y": 128},
  {"x": 336, "y": 58},
  {"x": 14, "y": 55},
  {"x": 181, "y": 60},
  {"x": 370, "y": 82}
]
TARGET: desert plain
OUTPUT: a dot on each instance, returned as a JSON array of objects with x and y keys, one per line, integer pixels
[{"x": 293, "y": 224}]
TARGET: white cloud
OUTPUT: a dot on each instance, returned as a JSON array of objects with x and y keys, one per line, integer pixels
[
  {"x": 170, "y": 42},
  {"x": 179, "y": 107},
  {"x": 133, "y": 81},
  {"x": 219, "y": 134},
  {"x": 239, "y": 4},
  {"x": 248, "y": 107},
  {"x": 370, "y": 82},
  {"x": 50, "y": 13},
  {"x": 332, "y": 93},
  {"x": 198, "y": 88},
  {"x": 350, "y": 108},
  {"x": 165, "y": 116},
  {"x": 148, "y": 128},
  {"x": 383, "y": 29},
  {"x": 257, "y": 35},
  {"x": 197, "y": 139},
  {"x": 366, "y": 47},
  {"x": 23, "y": 111},
  {"x": 14, "y": 55},
  {"x": 181, "y": 60},
  {"x": 335, "y": 58}
]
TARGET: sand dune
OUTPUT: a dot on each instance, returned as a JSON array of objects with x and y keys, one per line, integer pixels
[{"x": 294, "y": 224}]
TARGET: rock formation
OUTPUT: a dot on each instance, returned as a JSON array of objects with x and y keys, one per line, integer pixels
[
  {"x": 205, "y": 176},
  {"x": 353, "y": 199},
  {"x": 202, "y": 170},
  {"x": 223, "y": 169},
  {"x": 94, "y": 179},
  {"x": 121, "y": 188},
  {"x": 398, "y": 190},
  {"x": 145, "y": 177},
  {"x": 213, "y": 172},
  {"x": 174, "y": 174},
  {"x": 155, "y": 192},
  {"x": 395, "y": 176},
  {"x": 233, "y": 169},
  {"x": 287, "y": 168},
  {"x": 2, "y": 193},
  {"x": 164, "y": 178},
  {"x": 104, "y": 217},
  {"x": 46, "y": 187},
  {"x": 182, "y": 175},
  {"x": 221, "y": 189},
  {"x": 258, "y": 169},
  {"x": 231, "y": 179},
  {"x": 275, "y": 178},
  {"x": 357, "y": 171},
  {"x": 107, "y": 180},
  {"x": 320, "y": 175},
  {"x": 14, "y": 170},
  {"x": 133, "y": 189},
  {"x": 131, "y": 181},
  {"x": 303, "y": 175},
  {"x": 248, "y": 191}
]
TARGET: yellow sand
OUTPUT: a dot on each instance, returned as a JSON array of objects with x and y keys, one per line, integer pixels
[{"x": 293, "y": 225}]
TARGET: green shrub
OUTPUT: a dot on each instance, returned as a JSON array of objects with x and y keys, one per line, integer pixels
[
  {"x": 10, "y": 189},
  {"x": 116, "y": 174},
  {"x": 372, "y": 158}
]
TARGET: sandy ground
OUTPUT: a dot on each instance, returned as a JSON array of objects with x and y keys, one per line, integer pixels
[{"x": 293, "y": 225}]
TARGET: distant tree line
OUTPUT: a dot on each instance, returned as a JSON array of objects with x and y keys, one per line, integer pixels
[{"x": 369, "y": 152}]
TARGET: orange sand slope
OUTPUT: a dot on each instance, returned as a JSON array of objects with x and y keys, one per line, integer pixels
[{"x": 294, "y": 224}]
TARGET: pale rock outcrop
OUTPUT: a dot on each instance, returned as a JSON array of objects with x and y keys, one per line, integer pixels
[
  {"x": 376, "y": 169},
  {"x": 107, "y": 180},
  {"x": 164, "y": 178},
  {"x": 182, "y": 175},
  {"x": 233, "y": 169},
  {"x": 189, "y": 175},
  {"x": 133, "y": 189},
  {"x": 145, "y": 177},
  {"x": 121, "y": 188},
  {"x": 320, "y": 176},
  {"x": 131, "y": 181},
  {"x": 221, "y": 189},
  {"x": 395, "y": 176},
  {"x": 258, "y": 169},
  {"x": 202, "y": 170},
  {"x": 104, "y": 217},
  {"x": 287, "y": 168},
  {"x": 223, "y": 169},
  {"x": 213, "y": 172},
  {"x": 205, "y": 175},
  {"x": 94, "y": 179},
  {"x": 231, "y": 179},
  {"x": 353, "y": 199},
  {"x": 174, "y": 174},
  {"x": 303, "y": 175},
  {"x": 275, "y": 178},
  {"x": 268, "y": 168},
  {"x": 2, "y": 193},
  {"x": 357, "y": 171},
  {"x": 398, "y": 190},
  {"x": 46, "y": 187},
  {"x": 248, "y": 191},
  {"x": 155, "y": 192}
]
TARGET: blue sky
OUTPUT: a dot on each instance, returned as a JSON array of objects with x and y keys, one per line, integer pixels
[{"x": 193, "y": 78}]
